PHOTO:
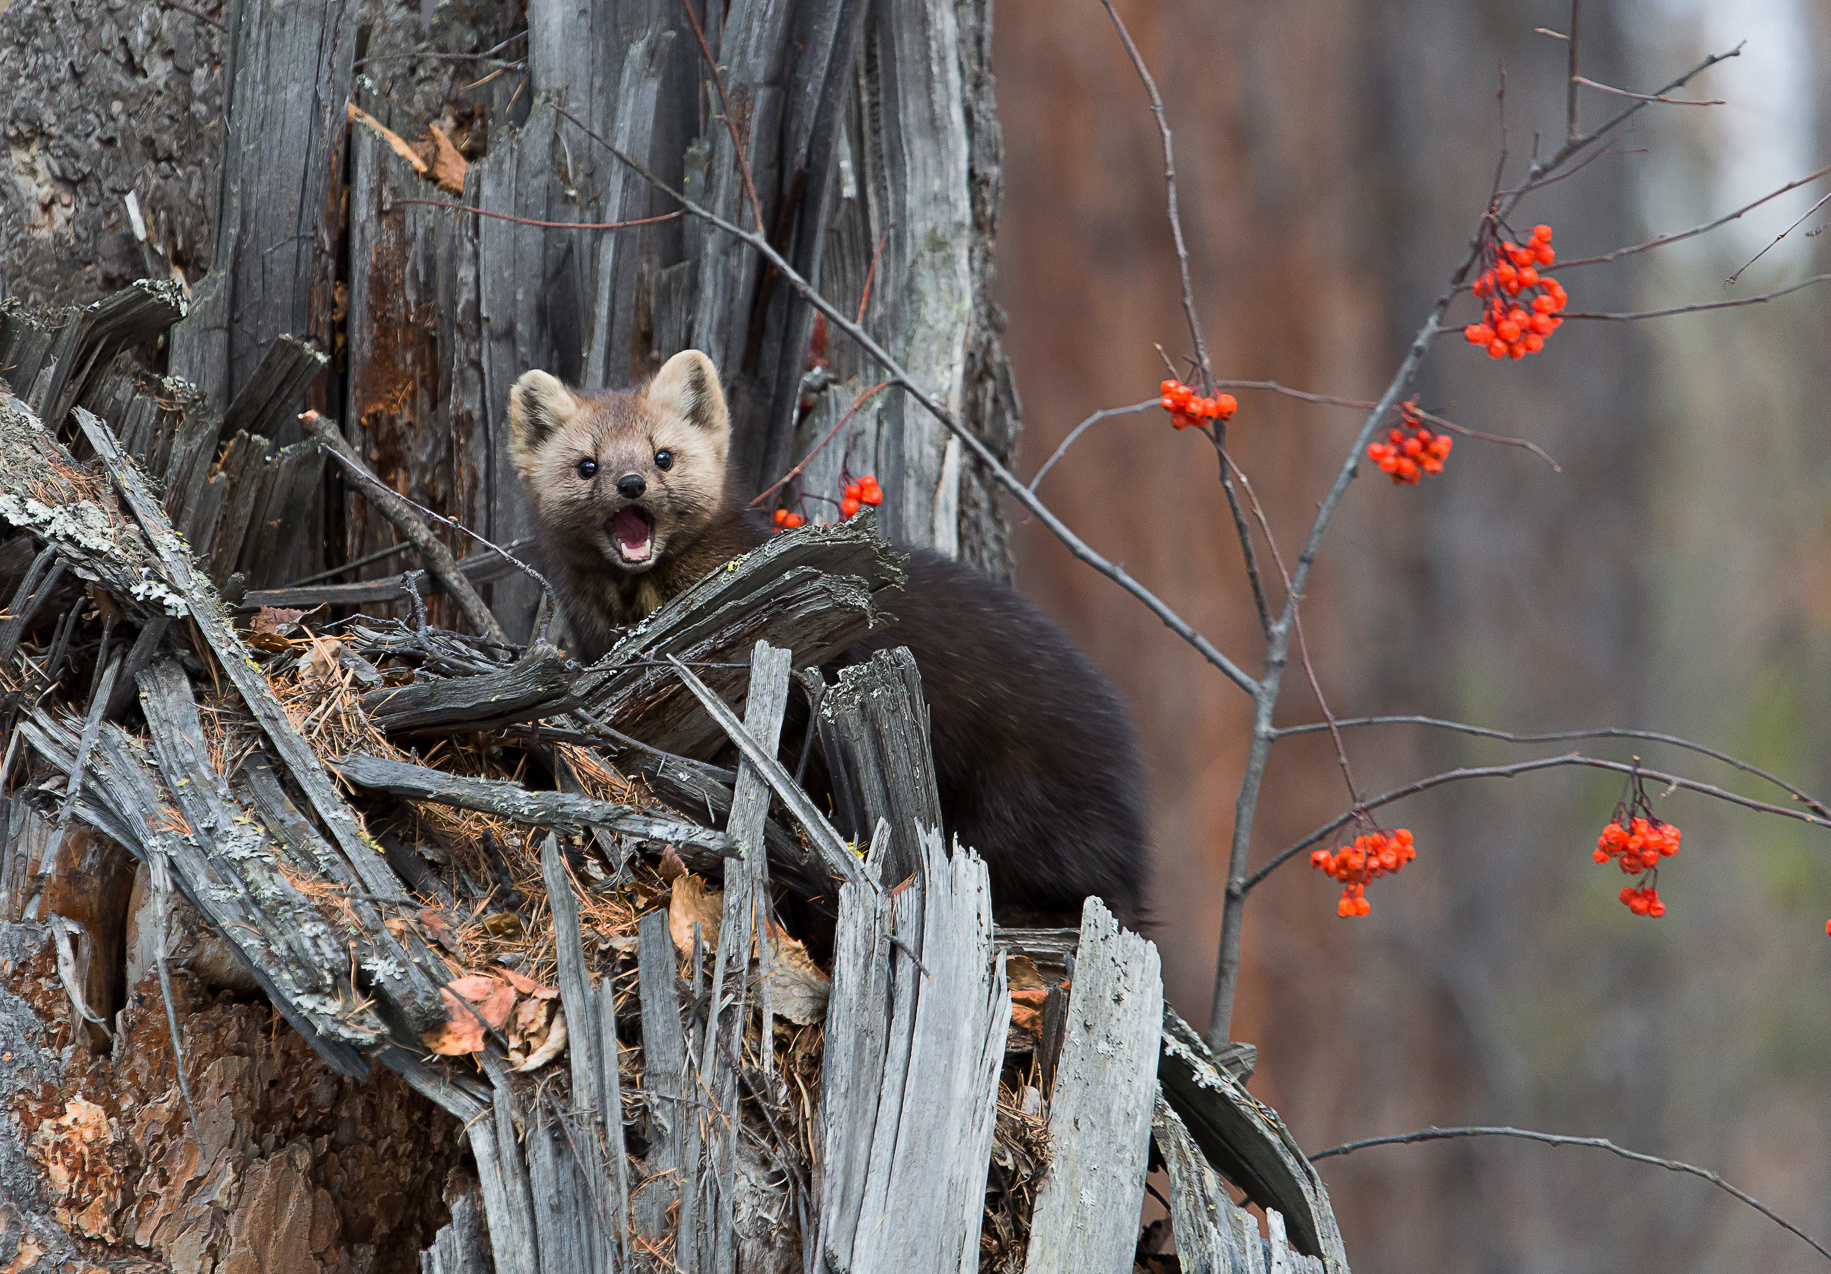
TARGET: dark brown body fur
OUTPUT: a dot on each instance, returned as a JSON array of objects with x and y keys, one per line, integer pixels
[{"x": 1036, "y": 763}]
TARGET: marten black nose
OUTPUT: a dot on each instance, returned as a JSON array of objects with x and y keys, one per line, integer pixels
[{"x": 631, "y": 485}]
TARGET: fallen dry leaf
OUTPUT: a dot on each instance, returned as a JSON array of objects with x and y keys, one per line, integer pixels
[
  {"x": 275, "y": 619},
  {"x": 528, "y": 986},
  {"x": 692, "y": 901},
  {"x": 494, "y": 1000},
  {"x": 670, "y": 866},
  {"x": 463, "y": 1034},
  {"x": 531, "y": 1017},
  {"x": 1021, "y": 974},
  {"x": 798, "y": 990},
  {"x": 555, "y": 1045},
  {"x": 1027, "y": 1009}
]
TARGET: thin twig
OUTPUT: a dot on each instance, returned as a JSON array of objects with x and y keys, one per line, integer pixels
[
  {"x": 839, "y": 424},
  {"x": 743, "y": 163},
  {"x": 1644, "y": 97},
  {"x": 1570, "y": 104},
  {"x": 1664, "y": 239},
  {"x": 1706, "y": 305},
  {"x": 1528, "y": 767},
  {"x": 983, "y": 454},
  {"x": 1074, "y": 434},
  {"x": 545, "y": 225},
  {"x": 1594, "y": 1143},
  {"x": 1498, "y": 439},
  {"x": 193, "y": 13},
  {"x": 871, "y": 272},
  {"x": 1217, "y": 434},
  {"x": 1783, "y": 234},
  {"x": 1169, "y": 180},
  {"x": 398, "y": 510},
  {"x": 1568, "y": 736}
]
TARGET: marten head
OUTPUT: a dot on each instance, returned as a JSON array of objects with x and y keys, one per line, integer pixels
[{"x": 624, "y": 475}]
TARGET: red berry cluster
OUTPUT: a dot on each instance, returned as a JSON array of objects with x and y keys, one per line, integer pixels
[
  {"x": 858, "y": 494},
  {"x": 1411, "y": 450},
  {"x": 788, "y": 521},
  {"x": 1186, "y": 407},
  {"x": 1370, "y": 856},
  {"x": 1638, "y": 843},
  {"x": 1522, "y": 306}
]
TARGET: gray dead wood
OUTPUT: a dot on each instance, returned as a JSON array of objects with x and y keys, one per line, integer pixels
[
  {"x": 358, "y": 865},
  {"x": 908, "y": 1124},
  {"x": 460, "y": 1246},
  {"x": 874, "y": 730},
  {"x": 812, "y": 591},
  {"x": 481, "y": 567},
  {"x": 513, "y": 801},
  {"x": 833, "y": 853},
  {"x": 596, "y": 1145},
  {"x": 41, "y": 579},
  {"x": 274, "y": 256},
  {"x": 537, "y": 685},
  {"x": 664, "y": 1065},
  {"x": 93, "y": 335},
  {"x": 192, "y": 448},
  {"x": 124, "y": 798},
  {"x": 98, "y": 542},
  {"x": 272, "y": 394},
  {"x": 241, "y": 469},
  {"x": 292, "y": 497},
  {"x": 1213, "y": 1236},
  {"x": 1247, "y": 1141},
  {"x": 408, "y": 522},
  {"x": 139, "y": 658},
  {"x": 746, "y": 905},
  {"x": 1086, "y": 1215}
]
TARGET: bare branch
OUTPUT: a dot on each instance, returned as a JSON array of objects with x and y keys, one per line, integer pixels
[
  {"x": 1570, "y": 105},
  {"x": 1169, "y": 178},
  {"x": 1217, "y": 434},
  {"x": 1707, "y": 305},
  {"x": 1783, "y": 234},
  {"x": 1501, "y": 440},
  {"x": 1594, "y": 1143},
  {"x": 737, "y": 143},
  {"x": 1074, "y": 434},
  {"x": 1642, "y": 97},
  {"x": 899, "y": 376},
  {"x": 1708, "y": 226},
  {"x": 1527, "y": 767},
  {"x": 1566, "y": 736}
]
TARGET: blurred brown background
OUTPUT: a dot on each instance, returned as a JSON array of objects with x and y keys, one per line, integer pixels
[{"x": 1333, "y": 160}]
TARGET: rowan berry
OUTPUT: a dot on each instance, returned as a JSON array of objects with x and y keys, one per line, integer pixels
[
  {"x": 849, "y": 506},
  {"x": 1369, "y": 857},
  {"x": 1412, "y": 450},
  {"x": 1187, "y": 408},
  {"x": 1637, "y": 841},
  {"x": 1509, "y": 330},
  {"x": 781, "y": 516}
]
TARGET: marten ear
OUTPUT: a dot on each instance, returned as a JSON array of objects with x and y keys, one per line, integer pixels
[
  {"x": 687, "y": 386},
  {"x": 538, "y": 405}
]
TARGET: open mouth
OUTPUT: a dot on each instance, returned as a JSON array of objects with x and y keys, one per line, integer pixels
[{"x": 632, "y": 530}]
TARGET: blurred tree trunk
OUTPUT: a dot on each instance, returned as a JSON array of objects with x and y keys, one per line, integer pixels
[{"x": 214, "y": 146}]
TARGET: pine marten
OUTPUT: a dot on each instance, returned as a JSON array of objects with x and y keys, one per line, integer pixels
[{"x": 1036, "y": 763}]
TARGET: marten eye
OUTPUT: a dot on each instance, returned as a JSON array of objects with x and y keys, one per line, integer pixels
[
  {"x": 664, "y": 459},
  {"x": 587, "y": 468}
]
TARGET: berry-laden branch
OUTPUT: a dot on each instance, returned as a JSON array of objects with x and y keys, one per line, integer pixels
[
  {"x": 901, "y": 377},
  {"x": 1512, "y": 771},
  {"x": 1567, "y": 736},
  {"x": 1594, "y": 1143},
  {"x": 1265, "y": 698}
]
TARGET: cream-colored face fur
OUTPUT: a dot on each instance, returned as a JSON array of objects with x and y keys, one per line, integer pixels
[{"x": 622, "y": 475}]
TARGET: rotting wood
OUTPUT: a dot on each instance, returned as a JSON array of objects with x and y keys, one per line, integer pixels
[
  {"x": 744, "y": 924},
  {"x": 874, "y": 731},
  {"x": 275, "y": 390},
  {"x": 908, "y": 1123},
  {"x": 535, "y": 686},
  {"x": 664, "y": 1091},
  {"x": 480, "y": 567},
  {"x": 512, "y": 801},
  {"x": 357, "y": 862},
  {"x": 1086, "y": 1214},
  {"x": 1247, "y": 1141}
]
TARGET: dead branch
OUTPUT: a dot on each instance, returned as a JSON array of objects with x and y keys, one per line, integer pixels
[
  {"x": 1705, "y": 305},
  {"x": 1595, "y": 1143},
  {"x": 392, "y": 506}
]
